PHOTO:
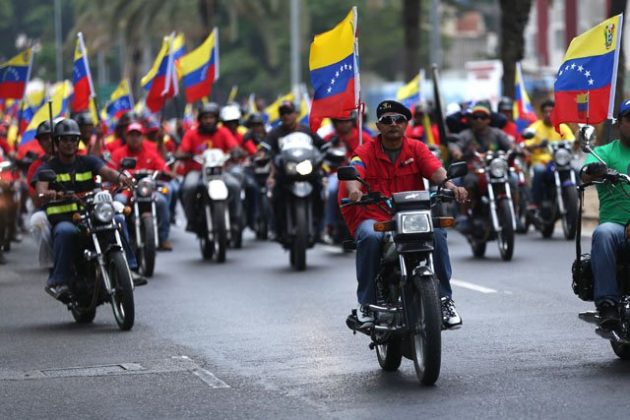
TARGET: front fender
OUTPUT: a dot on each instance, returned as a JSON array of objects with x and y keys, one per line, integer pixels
[{"x": 301, "y": 189}]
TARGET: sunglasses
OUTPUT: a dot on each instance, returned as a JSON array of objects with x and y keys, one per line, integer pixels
[
  {"x": 392, "y": 119},
  {"x": 68, "y": 139},
  {"x": 480, "y": 117}
]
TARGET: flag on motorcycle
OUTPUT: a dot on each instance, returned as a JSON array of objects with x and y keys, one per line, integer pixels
[
  {"x": 159, "y": 81},
  {"x": 333, "y": 63},
  {"x": 199, "y": 69},
  {"x": 81, "y": 78},
  {"x": 60, "y": 98},
  {"x": 522, "y": 109},
  {"x": 584, "y": 89},
  {"x": 14, "y": 75},
  {"x": 120, "y": 101},
  {"x": 410, "y": 94}
]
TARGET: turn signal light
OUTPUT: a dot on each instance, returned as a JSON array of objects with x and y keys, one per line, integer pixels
[
  {"x": 76, "y": 218},
  {"x": 164, "y": 190},
  {"x": 384, "y": 226},
  {"x": 443, "y": 222},
  {"x": 127, "y": 211}
]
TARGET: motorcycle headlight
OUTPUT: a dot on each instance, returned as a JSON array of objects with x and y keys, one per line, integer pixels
[
  {"x": 104, "y": 212},
  {"x": 562, "y": 157},
  {"x": 290, "y": 168},
  {"x": 416, "y": 222},
  {"x": 304, "y": 168},
  {"x": 498, "y": 168}
]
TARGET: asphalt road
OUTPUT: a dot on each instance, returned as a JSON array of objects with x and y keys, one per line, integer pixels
[{"x": 253, "y": 339}]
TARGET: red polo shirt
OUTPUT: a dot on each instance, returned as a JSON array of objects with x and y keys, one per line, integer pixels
[
  {"x": 195, "y": 142},
  {"x": 145, "y": 158},
  {"x": 414, "y": 163},
  {"x": 351, "y": 140}
]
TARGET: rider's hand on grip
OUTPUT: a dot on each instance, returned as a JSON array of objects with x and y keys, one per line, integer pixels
[
  {"x": 596, "y": 169},
  {"x": 355, "y": 195}
]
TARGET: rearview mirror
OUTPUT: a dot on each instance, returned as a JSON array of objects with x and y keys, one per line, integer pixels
[
  {"x": 128, "y": 163},
  {"x": 528, "y": 134},
  {"x": 347, "y": 173},
  {"x": 47, "y": 175},
  {"x": 585, "y": 136},
  {"x": 457, "y": 170}
]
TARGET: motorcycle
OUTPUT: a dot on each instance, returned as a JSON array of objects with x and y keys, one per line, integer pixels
[
  {"x": 7, "y": 205},
  {"x": 235, "y": 166},
  {"x": 518, "y": 168},
  {"x": 261, "y": 167},
  {"x": 408, "y": 317},
  {"x": 298, "y": 166},
  {"x": 494, "y": 217},
  {"x": 101, "y": 270},
  {"x": 335, "y": 155},
  {"x": 213, "y": 217},
  {"x": 582, "y": 273}
]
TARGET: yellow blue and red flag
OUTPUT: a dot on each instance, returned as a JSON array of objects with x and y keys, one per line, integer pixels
[
  {"x": 120, "y": 101},
  {"x": 60, "y": 107},
  {"x": 199, "y": 69},
  {"x": 159, "y": 81},
  {"x": 14, "y": 75},
  {"x": 410, "y": 94},
  {"x": 271, "y": 111},
  {"x": 333, "y": 63},
  {"x": 81, "y": 78},
  {"x": 179, "y": 47},
  {"x": 523, "y": 111},
  {"x": 584, "y": 89}
]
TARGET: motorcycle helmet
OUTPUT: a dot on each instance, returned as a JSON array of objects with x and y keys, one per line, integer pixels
[
  {"x": 42, "y": 128},
  {"x": 505, "y": 104},
  {"x": 66, "y": 127},
  {"x": 84, "y": 118},
  {"x": 208, "y": 108},
  {"x": 255, "y": 118},
  {"x": 230, "y": 113}
]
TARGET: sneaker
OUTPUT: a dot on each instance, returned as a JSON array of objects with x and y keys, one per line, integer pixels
[
  {"x": 165, "y": 246},
  {"x": 608, "y": 315},
  {"x": 450, "y": 317},
  {"x": 138, "y": 280},
  {"x": 58, "y": 291},
  {"x": 364, "y": 316}
]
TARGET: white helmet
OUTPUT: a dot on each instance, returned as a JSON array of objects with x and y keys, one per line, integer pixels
[{"x": 230, "y": 113}]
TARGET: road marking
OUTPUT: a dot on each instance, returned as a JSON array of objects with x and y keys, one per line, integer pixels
[
  {"x": 209, "y": 378},
  {"x": 473, "y": 286}
]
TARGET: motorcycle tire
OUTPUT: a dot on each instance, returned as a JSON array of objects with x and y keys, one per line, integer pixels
[
  {"x": 621, "y": 350},
  {"x": 426, "y": 334},
  {"x": 262, "y": 230},
  {"x": 83, "y": 315},
  {"x": 547, "y": 229},
  {"x": 146, "y": 262},
  {"x": 505, "y": 237},
  {"x": 300, "y": 241},
  {"x": 569, "y": 221},
  {"x": 389, "y": 355},
  {"x": 478, "y": 249},
  {"x": 524, "y": 218},
  {"x": 122, "y": 298},
  {"x": 219, "y": 229}
]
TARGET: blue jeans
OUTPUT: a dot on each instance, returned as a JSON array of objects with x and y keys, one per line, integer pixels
[
  {"x": 369, "y": 256},
  {"x": 173, "y": 194},
  {"x": 65, "y": 237},
  {"x": 162, "y": 213},
  {"x": 608, "y": 238},
  {"x": 332, "y": 216}
]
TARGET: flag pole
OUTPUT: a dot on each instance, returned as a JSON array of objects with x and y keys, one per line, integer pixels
[
  {"x": 439, "y": 114},
  {"x": 359, "y": 106}
]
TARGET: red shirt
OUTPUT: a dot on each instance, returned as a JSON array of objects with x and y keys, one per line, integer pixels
[
  {"x": 351, "y": 140},
  {"x": 195, "y": 142},
  {"x": 33, "y": 146},
  {"x": 417, "y": 132},
  {"x": 414, "y": 163},
  {"x": 32, "y": 169},
  {"x": 117, "y": 143},
  {"x": 145, "y": 158},
  {"x": 511, "y": 130}
]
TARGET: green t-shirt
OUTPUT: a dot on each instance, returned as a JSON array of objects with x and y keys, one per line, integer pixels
[{"x": 614, "y": 205}]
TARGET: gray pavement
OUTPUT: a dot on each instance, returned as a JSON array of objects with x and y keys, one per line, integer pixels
[{"x": 253, "y": 339}]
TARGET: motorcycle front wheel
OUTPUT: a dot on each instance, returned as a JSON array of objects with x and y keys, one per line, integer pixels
[
  {"x": 219, "y": 229},
  {"x": 147, "y": 254},
  {"x": 426, "y": 334},
  {"x": 300, "y": 240},
  {"x": 505, "y": 237},
  {"x": 122, "y": 298},
  {"x": 569, "y": 220}
]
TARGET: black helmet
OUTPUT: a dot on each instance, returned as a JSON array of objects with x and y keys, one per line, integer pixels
[
  {"x": 67, "y": 127},
  {"x": 505, "y": 104},
  {"x": 208, "y": 108},
  {"x": 43, "y": 128},
  {"x": 255, "y": 118},
  {"x": 84, "y": 118}
]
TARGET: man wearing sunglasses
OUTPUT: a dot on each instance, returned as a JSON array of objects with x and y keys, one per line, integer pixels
[{"x": 394, "y": 163}]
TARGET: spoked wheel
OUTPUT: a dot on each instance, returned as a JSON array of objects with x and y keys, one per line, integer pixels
[
  {"x": 569, "y": 221},
  {"x": 389, "y": 354},
  {"x": 122, "y": 298},
  {"x": 426, "y": 337},
  {"x": 621, "y": 350},
  {"x": 83, "y": 315},
  {"x": 505, "y": 237},
  {"x": 147, "y": 254},
  {"x": 219, "y": 229},
  {"x": 300, "y": 241}
]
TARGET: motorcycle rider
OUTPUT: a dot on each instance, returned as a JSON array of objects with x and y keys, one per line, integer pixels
[
  {"x": 544, "y": 132},
  {"x": 252, "y": 143},
  {"x": 394, "y": 163},
  {"x": 149, "y": 160},
  {"x": 506, "y": 107},
  {"x": 416, "y": 130},
  {"x": 74, "y": 173},
  {"x": 206, "y": 134},
  {"x": 614, "y": 209},
  {"x": 289, "y": 124}
]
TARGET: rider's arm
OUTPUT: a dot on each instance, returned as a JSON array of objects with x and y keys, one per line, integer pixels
[
  {"x": 438, "y": 178},
  {"x": 114, "y": 176}
]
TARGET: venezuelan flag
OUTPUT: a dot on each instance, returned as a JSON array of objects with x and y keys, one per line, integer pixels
[
  {"x": 60, "y": 100},
  {"x": 589, "y": 73},
  {"x": 81, "y": 78},
  {"x": 159, "y": 80},
  {"x": 409, "y": 94},
  {"x": 120, "y": 101},
  {"x": 199, "y": 69},
  {"x": 334, "y": 71},
  {"x": 522, "y": 109},
  {"x": 14, "y": 75}
]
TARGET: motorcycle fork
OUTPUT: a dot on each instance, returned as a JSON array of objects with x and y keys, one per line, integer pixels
[
  {"x": 102, "y": 263},
  {"x": 155, "y": 221},
  {"x": 493, "y": 206},
  {"x": 136, "y": 223},
  {"x": 559, "y": 197}
]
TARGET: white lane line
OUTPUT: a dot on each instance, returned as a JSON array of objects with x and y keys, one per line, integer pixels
[
  {"x": 209, "y": 378},
  {"x": 473, "y": 286}
]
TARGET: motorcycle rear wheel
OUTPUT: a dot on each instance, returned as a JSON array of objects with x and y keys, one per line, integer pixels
[
  {"x": 621, "y": 350},
  {"x": 426, "y": 336},
  {"x": 83, "y": 315},
  {"x": 505, "y": 237},
  {"x": 478, "y": 249},
  {"x": 389, "y": 355},
  {"x": 122, "y": 298},
  {"x": 147, "y": 254}
]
